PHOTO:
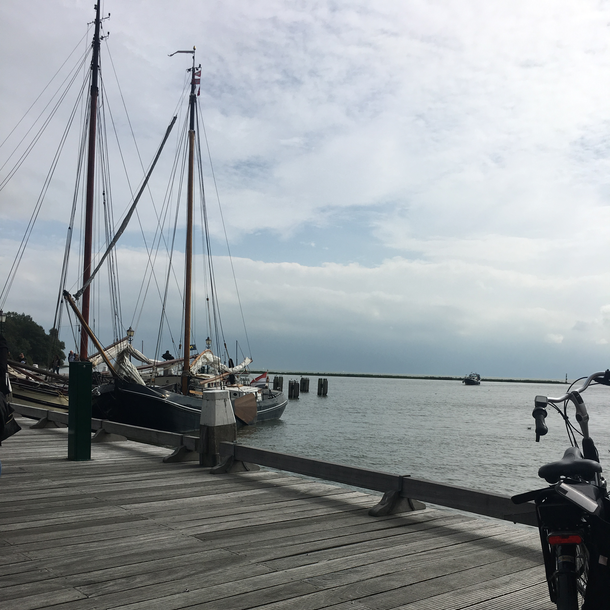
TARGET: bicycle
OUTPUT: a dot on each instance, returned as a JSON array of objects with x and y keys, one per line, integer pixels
[{"x": 573, "y": 511}]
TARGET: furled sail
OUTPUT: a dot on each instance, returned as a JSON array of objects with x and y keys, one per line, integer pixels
[
  {"x": 207, "y": 358},
  {"x": 115, "y": 349},
  {"x": 126, "y": 370}
]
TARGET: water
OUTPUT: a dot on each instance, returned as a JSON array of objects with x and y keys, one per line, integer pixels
[{"x": 481, "y": 437}]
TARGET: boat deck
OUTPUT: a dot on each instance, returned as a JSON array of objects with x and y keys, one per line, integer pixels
[{"x": 125, "y": 530}]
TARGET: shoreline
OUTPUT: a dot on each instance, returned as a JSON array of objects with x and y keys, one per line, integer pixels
[{"x": 428, "y": 377}]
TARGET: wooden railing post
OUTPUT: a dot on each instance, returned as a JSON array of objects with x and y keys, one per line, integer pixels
[
  {"x": 217, "y": 424},
  {"x": 79, "y": 411}
]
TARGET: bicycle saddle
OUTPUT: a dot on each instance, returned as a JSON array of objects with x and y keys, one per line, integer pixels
[{"x": 570, "y": 465}]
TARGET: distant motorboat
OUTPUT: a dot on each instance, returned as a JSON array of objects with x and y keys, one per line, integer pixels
[{"x": 472, "y": 379}]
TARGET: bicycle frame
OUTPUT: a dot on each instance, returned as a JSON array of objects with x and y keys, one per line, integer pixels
[
  {"x": 562, "y": 530},
  {"x": 573, "y": 512}
]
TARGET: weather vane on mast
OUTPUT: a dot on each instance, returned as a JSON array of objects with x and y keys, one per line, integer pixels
[
  {"x": 195, "y": 76},
  {"x": 190, "y": 51}
]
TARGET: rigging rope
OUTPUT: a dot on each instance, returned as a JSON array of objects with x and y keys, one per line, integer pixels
[
  {"x": 70, "y": 230},
  {"x": 153, "y": 252},
  {"x": 203, "y": 130},
  {"x": 30, "y": 227},
  {"x": 180, "y": 163},
  {"x": 38, "y": 97},
  {"x": 127, "y": 218}
]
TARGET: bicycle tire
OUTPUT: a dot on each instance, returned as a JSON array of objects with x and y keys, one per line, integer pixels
[
  {"x": 566, "y": 577},
  {"x": 582, "y": 571}
]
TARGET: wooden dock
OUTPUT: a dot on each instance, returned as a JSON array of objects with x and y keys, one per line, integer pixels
[{"x": 126, "y": 530}]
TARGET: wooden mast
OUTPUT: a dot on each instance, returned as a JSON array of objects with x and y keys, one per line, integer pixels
[
  {"x": 189, "y": 236},
  {"x": 84, "y": 337}
]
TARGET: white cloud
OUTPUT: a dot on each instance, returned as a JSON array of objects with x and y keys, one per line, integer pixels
[
  {"x": 554, "y": 338},
  {"x": 473, "y": 135}
]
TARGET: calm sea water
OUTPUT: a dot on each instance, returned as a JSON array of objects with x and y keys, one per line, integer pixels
[{"x": 480, "y": 437}]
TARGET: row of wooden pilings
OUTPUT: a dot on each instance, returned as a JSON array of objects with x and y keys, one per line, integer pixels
[{"x": 296, "y": 387}]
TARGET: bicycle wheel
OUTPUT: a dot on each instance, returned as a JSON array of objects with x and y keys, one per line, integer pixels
[
  {"x": 582, "y": 571},
  {"x": 566, "y": 577}
]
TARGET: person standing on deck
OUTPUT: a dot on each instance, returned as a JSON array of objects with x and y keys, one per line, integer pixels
[{"x": 56, "y": 364}]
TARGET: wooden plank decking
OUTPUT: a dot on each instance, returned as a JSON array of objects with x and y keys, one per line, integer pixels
[{"x": 126, "y": 530}]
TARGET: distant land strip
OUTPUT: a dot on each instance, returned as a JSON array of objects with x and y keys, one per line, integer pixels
[{"x": 386, "y": 376}]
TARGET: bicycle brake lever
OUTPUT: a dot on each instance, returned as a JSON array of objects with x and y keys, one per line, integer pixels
[{"x": 582, "y": 417}]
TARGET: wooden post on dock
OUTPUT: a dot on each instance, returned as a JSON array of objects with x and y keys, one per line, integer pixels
[
  {"x": 322, "y": 387},
  {"x": 217, "y": 425},
  {"x": 79, "y": 411}
]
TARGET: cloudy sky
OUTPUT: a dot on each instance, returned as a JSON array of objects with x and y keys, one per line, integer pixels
[{"x": 417, "y": 187}]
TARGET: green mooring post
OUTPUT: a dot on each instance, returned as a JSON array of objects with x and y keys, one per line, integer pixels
[{"x": 79, "y": 411}]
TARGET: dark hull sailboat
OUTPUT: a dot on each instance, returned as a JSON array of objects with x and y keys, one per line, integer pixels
[
  {"x": 160, "y": 409},
  {"x": 128, "y": 399}
]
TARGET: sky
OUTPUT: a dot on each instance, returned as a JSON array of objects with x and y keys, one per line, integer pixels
[{"x": 417, "y": 187}]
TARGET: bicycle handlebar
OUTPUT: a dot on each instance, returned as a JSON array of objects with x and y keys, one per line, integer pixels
[
  {"x": 539, "y": 414},
  {"x": 582, "y": 417},
  {"x": 605, "y": 375}
]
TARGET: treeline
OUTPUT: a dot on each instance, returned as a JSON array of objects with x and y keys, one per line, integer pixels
[{"x": 24, "y": 336}]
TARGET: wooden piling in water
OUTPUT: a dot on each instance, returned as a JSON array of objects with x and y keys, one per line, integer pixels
[
  {"x": 304, "y": 386},
  {"x": 293, "y": 389},
  {"x": 278, "y": 383},
  {"x": 322, "y": 386}
]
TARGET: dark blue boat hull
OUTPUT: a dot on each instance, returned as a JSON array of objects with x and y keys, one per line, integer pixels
[{"x": 160, "y": 409}]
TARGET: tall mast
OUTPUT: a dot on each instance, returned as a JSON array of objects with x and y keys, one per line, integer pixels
[
  {"x": 188, "y": 272},
  {"x": 84, "y": 338}
]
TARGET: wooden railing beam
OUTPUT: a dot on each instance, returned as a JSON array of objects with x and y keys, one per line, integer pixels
[
  {"x": 406, "y": 487},
  {"x": 132, "y": 433},
  {"x": 348, "y": 475},
  {"x": 460, "y": 498}
]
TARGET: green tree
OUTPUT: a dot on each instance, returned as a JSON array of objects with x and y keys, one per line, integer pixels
[{"x": 24, "y": 335}]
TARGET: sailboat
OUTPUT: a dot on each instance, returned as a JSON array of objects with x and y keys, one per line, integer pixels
[
  {"x": 128, "y": 399},
  {"x": 149, "y": 398}
]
